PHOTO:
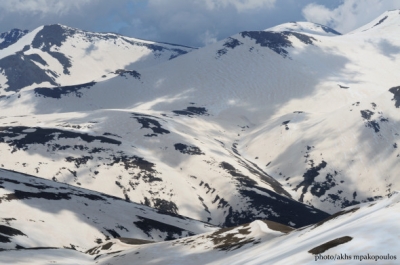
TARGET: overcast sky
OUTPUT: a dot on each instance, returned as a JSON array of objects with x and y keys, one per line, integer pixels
[{"x": 188, "y": 22}]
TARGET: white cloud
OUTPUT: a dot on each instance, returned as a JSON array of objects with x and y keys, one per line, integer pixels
[
  {"x": 318, "y": 14},
  {"x": 42, "y": 7},
  {"x": 240, "y": 5},
  {"x": 208, "y": 38},
  {"x": 350, "y": 15}
]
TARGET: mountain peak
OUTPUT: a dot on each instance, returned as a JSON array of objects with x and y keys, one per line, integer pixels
[
  {"x": 10, "y": 37},
  {"x": 305, "y": 27},
  {"x": 384, "y": 23}
]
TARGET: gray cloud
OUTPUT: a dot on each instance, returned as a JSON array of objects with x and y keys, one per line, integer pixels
[{"x": 193, "y": 23}]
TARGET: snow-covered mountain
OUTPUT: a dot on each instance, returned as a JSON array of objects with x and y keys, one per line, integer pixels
[
  {"x": 39, "y": 213},
  {"x": 290, "y": 124},
  {"x": 57, "y": 55}
]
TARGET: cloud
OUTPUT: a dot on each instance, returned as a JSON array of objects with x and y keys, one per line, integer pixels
[
  {"x": 349, "y": 15},
  {"x": 208, "y": 38},
  {"x": 240, "y": 5},
  {"x": 193, "y": 23},
  {"x": 318, "y": 14},
  {"x": 42, "y": 7}
]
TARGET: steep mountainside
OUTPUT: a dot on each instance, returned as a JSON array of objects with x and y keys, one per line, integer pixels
[{"x": 38, "y": 213}]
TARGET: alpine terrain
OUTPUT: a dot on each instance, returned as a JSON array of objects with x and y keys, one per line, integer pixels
[{"x": 279, "y": 146}]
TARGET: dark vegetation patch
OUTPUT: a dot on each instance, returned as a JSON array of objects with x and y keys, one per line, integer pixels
[
  {"x": 257, "y": 171},
  {"x": 78, "y": 160},
  {"x": 188, "y": 149},
  {"x": 8, "y": 220},
  {"x": 320, "y": 188},
  {"x": 222, "y": 203},
  {"x": 112, "y": 232},
  {"x": 278, "y": 227},
  {"x": 134, "y": 162},
  {"x": 236, "y": 174},
  {"x": 230, "y": 43},
  {"x": 24, "y": 195},
  {"x": 374, "y": 125},
  {"x": 366, "y": 114},
  {"x": 204, "y": 205},
  {"x": 277, "y": 208},
  {"x": 55, "y": 196},
  {"x": 309, "y": 177},
  {"x": 329, "y": 30},
  {"x": 11, "y": 37},
  {"x": 277, "y": 41},
  {"x": 226, "y": 240},
  {"x": 53, "y": 35},
  {"x": 344, "y": 87},
  {"x": 285, "y": 123},
  {"x": 150, "y": 123},
  {"x": 178, "y": 53},
  {"x": 190, "y": 111},
  {"x": 334, "y": 216},
  {"x": 97, "y": 249},
  {"x": 57, "y": 92},
  {"x": 44, "y": 136},
  {"x": 22, "y": 72},
  {"x": 380, "y": 21},
  {"x": 134, "y": 241},
  {"x": 234, "y": 149},
  {"x": 165, "y": 206},
  {"x": 107, "y": 245},
  {"x": 62, "y": 59},
  {"x": 262, "y": 201},
  {"x": 5, "y": 239},
  {"x": 343, "y": 202},
  {"x": 396, "y": 95},
  {"x": 111, "y": 134},
  {"x": 9, "y": 231},
  {"x": 330, "y": 244},
  {"x": 124, "y": 73},
  {"x": 173, "y": 232},
  {"x": 36, "y": 57}
]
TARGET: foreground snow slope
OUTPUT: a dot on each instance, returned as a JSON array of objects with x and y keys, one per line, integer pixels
[
  {"x": 367, "y": 233},
  {"x": 358, "y": 231},
  {"x": 38, "y": 213}
]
